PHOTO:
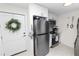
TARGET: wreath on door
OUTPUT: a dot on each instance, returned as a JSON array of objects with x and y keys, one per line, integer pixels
[{"x": 13, "y": 25}]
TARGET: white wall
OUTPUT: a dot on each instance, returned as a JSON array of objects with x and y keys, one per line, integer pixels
[
  {"x": 68, "y": 35},
  {"x": 38, "y": 10}
]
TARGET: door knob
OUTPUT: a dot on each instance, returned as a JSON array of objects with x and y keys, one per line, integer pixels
[{"x": 24, "y": 34}]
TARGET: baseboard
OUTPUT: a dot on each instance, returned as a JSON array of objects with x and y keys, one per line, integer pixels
[
  {"x": 67, "y": 45},
  {"x": 18, "y": 53}
]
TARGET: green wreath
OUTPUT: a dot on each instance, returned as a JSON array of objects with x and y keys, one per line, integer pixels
[{"x": 13, "y": 25}]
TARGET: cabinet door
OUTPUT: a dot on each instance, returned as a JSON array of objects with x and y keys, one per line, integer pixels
[
  {"x": 44, "y": 12},
  {"x": 14, "y": 42}
]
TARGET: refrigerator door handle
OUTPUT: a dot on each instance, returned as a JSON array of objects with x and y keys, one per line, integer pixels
[
  {"x": 36, "y": 45},
  {"x": 37, "y": 41}
]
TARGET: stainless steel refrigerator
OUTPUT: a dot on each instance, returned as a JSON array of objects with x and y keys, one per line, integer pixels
[
  {"x": 76, "y": 44},
  {"x": 41, "y": 36}
]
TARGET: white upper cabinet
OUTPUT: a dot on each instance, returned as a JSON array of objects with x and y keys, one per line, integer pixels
[
  {"x": 44, "y": 12},
  {"x": 35, "y": 9}
]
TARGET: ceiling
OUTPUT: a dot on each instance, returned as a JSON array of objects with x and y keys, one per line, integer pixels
[
  {"x": 21, "y": 5},
  {"x": 56, "y": 8},
  {"x": 59, "y": 8}
]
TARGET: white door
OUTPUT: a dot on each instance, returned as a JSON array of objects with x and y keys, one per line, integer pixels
[{"x": 13, "y": 42}]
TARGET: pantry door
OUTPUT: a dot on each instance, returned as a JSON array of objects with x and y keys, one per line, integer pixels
[{"x": 13, "y": 42}]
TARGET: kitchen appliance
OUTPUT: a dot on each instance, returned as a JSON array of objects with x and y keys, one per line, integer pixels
[
  {"x": 41, "y": 36},
  {"x": 53, "y": 29},
  {"x": 76, "y": 44}
]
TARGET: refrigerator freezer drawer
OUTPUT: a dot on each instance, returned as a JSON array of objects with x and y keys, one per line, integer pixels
[{"x": 41, "y": 45}]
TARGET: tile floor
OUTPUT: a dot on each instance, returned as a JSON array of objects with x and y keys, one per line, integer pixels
[{"x": 60, "y": 50}]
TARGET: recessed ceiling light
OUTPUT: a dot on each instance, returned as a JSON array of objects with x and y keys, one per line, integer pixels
[{"x": 67, "y": 4}]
